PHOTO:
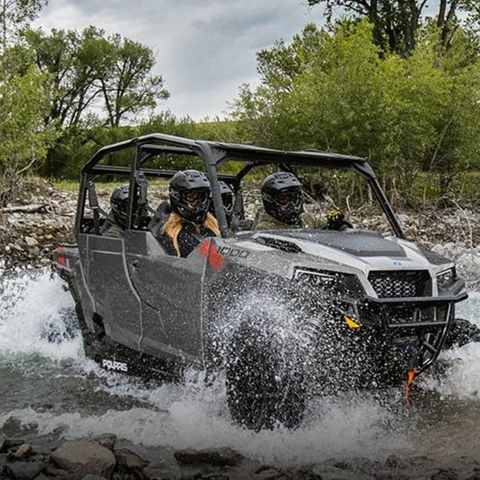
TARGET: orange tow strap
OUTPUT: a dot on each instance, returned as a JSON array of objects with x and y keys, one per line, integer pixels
[{"x": 410, "y": 377}]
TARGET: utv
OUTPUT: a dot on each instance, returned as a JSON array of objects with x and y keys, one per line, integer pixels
[{"x": 283, "y": 314}]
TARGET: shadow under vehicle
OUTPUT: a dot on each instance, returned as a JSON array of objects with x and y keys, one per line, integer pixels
[{"x": 285, "y": 314}]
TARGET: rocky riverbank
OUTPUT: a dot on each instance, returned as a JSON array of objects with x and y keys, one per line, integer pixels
[
  {"x": 106, "y": 457},
  {"x": 42, "y": 217}
]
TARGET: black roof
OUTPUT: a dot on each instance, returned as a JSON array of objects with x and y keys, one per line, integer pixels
[{"x": 157, "y": 143}]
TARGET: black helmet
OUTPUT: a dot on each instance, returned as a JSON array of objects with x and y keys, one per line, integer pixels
[
  {"x": 227, "y": 199},
  {"x": 282, "y": 197},
  {"x": 119, "y": 205},
  {"x": 190, "y": 195}
]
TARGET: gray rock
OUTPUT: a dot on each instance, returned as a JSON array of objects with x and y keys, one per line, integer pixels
[
  {"x": 41, "y": 450},
  {"x": 446, "y": 474},
  {"x": 13, "y": 442},
  {"x": 24, "y": 470},
  {"x": 106, "y": 440},
  {"x": 84, "y": 457},
  {"x": 394, "y": 461},
  {"x": 42, "y": 476},
  {"x": 128, "y": 460},
  {"x": 2, "y": 443},
  {"x": 92, "y": 477},
  {"x": 24, "y": 451},
  {"x": 219, "y": 458}
]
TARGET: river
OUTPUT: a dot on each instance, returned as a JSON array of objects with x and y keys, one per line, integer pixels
[{"x": 50, "y": 390}]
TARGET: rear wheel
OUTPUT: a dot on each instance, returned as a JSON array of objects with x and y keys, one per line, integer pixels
[{"x": 265, "y": 379}]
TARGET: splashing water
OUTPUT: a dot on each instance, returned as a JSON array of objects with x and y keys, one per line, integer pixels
[
  {"x": 33, "y": 307},
  {"x": 91, "y": 401}
]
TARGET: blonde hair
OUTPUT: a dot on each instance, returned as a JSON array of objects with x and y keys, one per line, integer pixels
[{"x": 174, "y": 226}]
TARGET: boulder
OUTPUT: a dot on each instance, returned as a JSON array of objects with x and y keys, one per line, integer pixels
[
  {"x": 24, "y": 451},
  {"x": 129, "y": 461},
  {"x": 223, "y": 457},
  {"x": 24, "y": 470},
  {"x": 87, "y": 457},
  {"x": 13, "y": 442},
  {"x": 106, "y": 440}
]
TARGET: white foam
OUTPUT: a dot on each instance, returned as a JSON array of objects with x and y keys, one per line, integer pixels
[
  {"x": 30, "y": 303},
  {"x": 189, "y": 420}
]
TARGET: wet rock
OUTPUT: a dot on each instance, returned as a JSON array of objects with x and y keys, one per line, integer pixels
[
  {"x": 394, "y": 461},
  {"x": 219, "y": 458},
  {"x": 106, "y": 440},
  {"x": 128, "y": 460},
  {"x": 42, "y": 476},
  {"x": 41, "y": 450},
  {"x": 57, "y": 472},
  {"x": 445, "y": 474},
  {"x": 13, "y": 442},
  {"x": 24, "y": 470},
  {"x": 84, "y": 457},
  {"x": 24, "y": 451},
  {"x": 267, "y": 473}
]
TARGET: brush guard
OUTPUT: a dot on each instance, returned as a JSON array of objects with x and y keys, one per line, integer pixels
[{"x": 427, "y": 320}]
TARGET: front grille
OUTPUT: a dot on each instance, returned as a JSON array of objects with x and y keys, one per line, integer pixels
[{"x": 401, "y": 284}]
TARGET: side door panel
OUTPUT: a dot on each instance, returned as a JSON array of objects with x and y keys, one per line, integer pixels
[
  {"x": 108, "y": 280},
  {"x": 173, "y": 287}
]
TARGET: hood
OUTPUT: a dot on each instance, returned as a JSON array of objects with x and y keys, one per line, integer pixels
[{"x": 363, "y": 249}]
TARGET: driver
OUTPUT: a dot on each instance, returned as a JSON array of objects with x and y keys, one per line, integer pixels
[
  {"x": 190, "y": 221},
  {"x": 282, "y": 198},
  {"x": 118, "y": 210},
  {"x": 119, "y": 214}
]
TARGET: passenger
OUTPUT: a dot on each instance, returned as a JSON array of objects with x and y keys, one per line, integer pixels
[
  {"x": 227, "y": 199},
  {"x": 190, "y": 221},
  {"x": 282, "y": 198},
  {"x": 115, "y": 227},
  {"x": 118, "y": 223}
]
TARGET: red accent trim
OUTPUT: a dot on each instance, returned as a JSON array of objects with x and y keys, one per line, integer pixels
[
  {"x": 61, "y": 259},
  {"x": 215, "y": 259}
]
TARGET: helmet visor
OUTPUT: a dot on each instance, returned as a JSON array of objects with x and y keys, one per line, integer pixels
[
  {"x": 195, "y": 197},
  {"x": 289, "y": 196}
]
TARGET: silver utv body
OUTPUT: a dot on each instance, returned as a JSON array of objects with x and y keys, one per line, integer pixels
[{"x": 140, "y": 308}]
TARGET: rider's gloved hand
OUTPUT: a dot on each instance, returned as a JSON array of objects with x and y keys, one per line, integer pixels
[{"x": 336, "y": 219}]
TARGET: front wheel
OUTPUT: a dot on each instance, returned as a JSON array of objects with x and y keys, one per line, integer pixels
[
  {"x": 462, "y": 332},
  {"x": 265, "y": 379}
]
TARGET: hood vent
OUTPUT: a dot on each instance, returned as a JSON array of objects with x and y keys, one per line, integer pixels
[{"x": 283, "y": 245}]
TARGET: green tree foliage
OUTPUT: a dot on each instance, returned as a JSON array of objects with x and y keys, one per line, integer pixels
[
  {"x": 334, "y": 91},
  {"x": 127, "y": 85},
  {"x": 15, "y": 14},
  {"x": 25, "y": 140},
  {"x": 397, "y": 22},
  {"x": 88, "y": 72}
]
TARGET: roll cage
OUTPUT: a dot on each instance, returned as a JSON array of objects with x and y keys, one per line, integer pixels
[{"x": 214, "y": 155}]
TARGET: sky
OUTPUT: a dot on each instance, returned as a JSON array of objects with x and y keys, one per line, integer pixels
[{"x": 205, "y": 49}]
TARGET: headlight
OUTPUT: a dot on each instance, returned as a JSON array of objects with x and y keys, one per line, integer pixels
[
  {"x": 324, "y": 280},
  {"x": 446, "y": 279}
]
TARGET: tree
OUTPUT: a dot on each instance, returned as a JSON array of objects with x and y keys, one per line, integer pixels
[
  {"x": 25, "y": 139},
  {"x": 127, "y": 84},
  {"x": 86, "y": 72},
  {"x": 15, "y": 14},
  {"x": 396, "y": 22},
  {"x": 334, "y": 91}
]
